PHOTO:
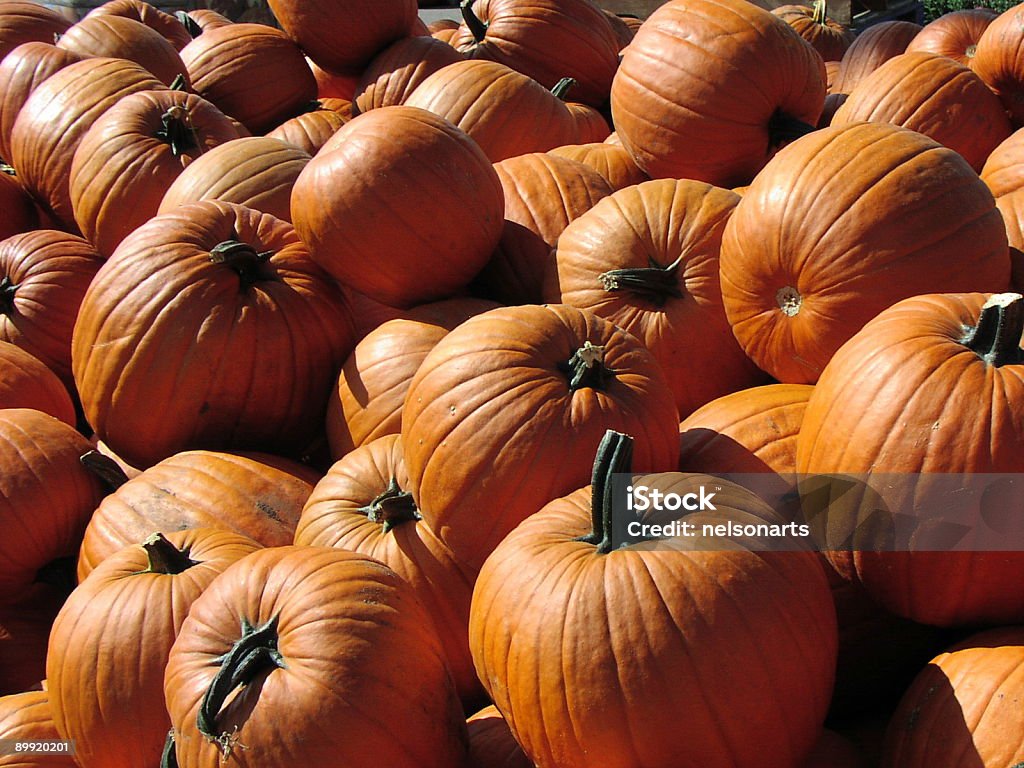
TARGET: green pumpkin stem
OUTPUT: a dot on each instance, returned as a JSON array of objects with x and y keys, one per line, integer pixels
[
  {"x": 105, "y": 468},
  {"x": 654, "y": 283},
  {"x": 392, "y": 508},
  {"x": 164, "y": 557},
  {"x": 996, "y": 337},
  {"x": 177, "y": 131},
  {"x": 178, "y": 83},
  {"x": 562, "y": 88},
  {"x": 190, "y": 24},
  {"x": 783, "y": 128},
  {"x": 820, "y": 14},
  {"x": 242, "y": 258},
  {"x": 614, "y": 455},
  {"x": 254, "y": 652},
  {"x": 586, "y": 368},
  {"x": 7, "y": 291},
  {"x": 476, "y": 27},
  {"x": 169, "y": 757}
]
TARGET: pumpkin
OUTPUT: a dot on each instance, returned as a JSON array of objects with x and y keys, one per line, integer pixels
[
  {"x": 872, "y": 48},
  {"x": 343, "y": 39},
  {"x": 367, "y": 401},
  {"x": 491, "y": 743},
  {"x": 612, "y": 161},
  {"x": 882, "y": 405},
  {"x": 964, "y": 707},
  {"x": 19, "y": 211},
  {"x": 21, "y": 71},
  {"x": 171, "y": 28},
  {"x": 590, "y": 123},
  {"x": 330, "y": 85},
  {"x": 44, "y": 275},
  {"x": 1011, "y": 206},
  {"x": 55, "y": 118},
  {"x": 219, "y": 294},
  {"x": 1003, "y": 171},
  {"x": 398, "y": 230},
  {"x": 827, "y": 36},
  {"x": 503, "y": 111},
  {"x": 996, "y": 61},
  {"x": 616, "y": 654},
  {"x": 25, "y": 382},
  {"x": 954, "y": 34},
  {"x": 130, "y": 157},
  {"x": 710, "y": 90},
  {"x": 646, "y": 259},
  {"x": 119, "y": 37},
  {"x": 546, "y": 40},
  {"x": 24, "y": 631},
  {"x": 543, "y": 195},
  {"x": 842, "y": 224},
  {"x": 834, "y": 751},
  {"x": 22, "y": 21},
  {"x": 438, "y": 25},
  {"x": 362, "y": 505},
  {"x": 398, "y": 69},
  {"x": 254, "y": 495},
  {"x": 316, "y": 635},
  {"x": 255, "y": 171},
  {"x": 252, "y": 72},
  {"x": 205, "y": 19},
  {"x": 310, "y": 130},
  {"x": 833, "y": 102},
  {"x": 932, "y": 94},
  {"x": 503, "y": 412},
  {"x": 120, "y": 623},
  {"x": 447, "y": 36},
  {"x": 46, "y": 496},
  {"x": 368, "y": 313},
  {"x": 27, "y": 717}
]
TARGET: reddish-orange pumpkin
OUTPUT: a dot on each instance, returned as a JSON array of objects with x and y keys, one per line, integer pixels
[
  {"x": 872, "y": 48},
  {"x": 25, "y": 22},
  {"x": 612, "y": 161},
  {"x": 206, "y": 19},
  {"x": 27, "y": 718},
  {"x": 827, "y": 36},
  {"x": 491, "y": 743},
  {"x": 19, "y": 212},
  {"x": 398, "y": 69},
  {"x": 228, "y": 299},
  {"x": 24, "y": 630},
  {"x": 1003, "y": 171},
  {"x": 310, "y": 130},
  {"x": 172, "y": 29},
  {"x": 998, "y": 61},
  {"x": 955, "y": 34},
  {"x": 25, "y": 382},
  {"x": 329, "y": 85}
]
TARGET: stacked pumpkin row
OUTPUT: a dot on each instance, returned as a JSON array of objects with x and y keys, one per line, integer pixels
[{"x": 217, "y": 273}]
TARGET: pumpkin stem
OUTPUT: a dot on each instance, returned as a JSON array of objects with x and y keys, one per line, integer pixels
[
  {"x": 614, "y": 455},
  {"x": 169, "y": 757},
  {"x": 190, "y": 24},
  {"x": 177, "y": 130},
  {"x": 562, "y": 87},
  {"x": 7, "y": 291},
  {"x": 819, "y": 16},
  {"x": 476, "y": 27},
  {"x": 7, "y": 168},
  {"x": 783, "y": 128},
  {"x": 586, "y": 368},
  {"x": 654, "y": 283},
  {"x": 242, "y": 258},
  {"x": 255, "y": 651},
  {"x": 996, "y": 337},
  {"x": 178, "y": 83},
  {"x": 164, "y": 557},
  {"x": 105, "y": 468},
  {"x": 392, "y": 508}
]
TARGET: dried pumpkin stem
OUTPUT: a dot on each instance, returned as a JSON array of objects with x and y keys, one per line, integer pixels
[
  {"x": 996, "y": 337},
  {"x": 177, "y": 130},
  {"x": 242, "y": 258},
  {"x": 586, "y": 368},
  {"x": 178, "y": 83},
  {"x": 819, "y": 16},
  {"x": 169, "y": 757},
  {"x": 254, "y": 652},
  {"x": 7, "y": 291},
  {"x": 6, "y": 168},
  {"x": 783, "y": 128},
  {"x": 562, "y": 88},
  {"x": 164, "y": 557},
  {"x": 190, "y": 24},
  {"x": 105, "y": 468},
  {"x": 654, "y": 283},
  {"x": 476, "y": 27},
  {"x": 614, "y": 455},
  {"x": 392, "y": 508}
]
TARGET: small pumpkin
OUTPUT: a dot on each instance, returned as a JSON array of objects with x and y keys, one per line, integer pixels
[{"x": 828, "y": 37}]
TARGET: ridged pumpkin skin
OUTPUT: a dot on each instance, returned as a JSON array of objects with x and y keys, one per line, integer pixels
[
  {"x": 355, "y": 643},
  {"x": 679, "y": 317},
  {"x": 872, "y": 48},
  {"x": 46, "y": 496},
  {"x": 25, "y": 22},
  {"x": 252, "y": 72},
  {"x": 502, "y": 110},
  {"x": 844, "y": 223},
  {"x": 367, "y": 401},
  {"x": 1003, "y": 171},
  {"x": 955, "y": 34},
  {"x": 309, "y": 131},
  {"x": 21, "y": 72},
  {"x": 543, "y": 195},
  {"x": 118, "y": 37},
  {"x": 28, "y": 717},
  {"x": 255, "y": 171},
  {"x": 932, "y": 94},
  {"x": 44, "y": 275},
  {"x": 399, "y": 69},
  {"x": 19, "y": 212},
  {"x": 491, "y": 743},
  {"x": 131, "y": 156},
  {"x": 55, "y": 118},
  {"x": 362, "y": 505},
  {"x": 999, "y": 60},
  {"x": 137, "y": 10},
  {"x": 250, "y": 494},
  {"x": 398, "y": 230},
  {"x": 613, "y": 162},
  {"x": 546, "y": 40},
  {"x": 702, "y": 89},
  {"x": 25, "y": 382},
  {"x": 827, "y": 36},
  {"x": 344, "y": 37},
  {"x": 224, "y": 343},
  {"x": 576, "y": 645},
  {"x": 120, "y": 623},
  {"x": 908, "y": 395},
  {"x": 207, "y": 19},
  {"x": 504, "y": 414},
  {"x": 963, "y": 708}
]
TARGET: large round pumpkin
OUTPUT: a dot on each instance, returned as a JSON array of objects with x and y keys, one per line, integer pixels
[
  {"x": 955, "y": 34},
  {"x": 872, "y": 48}
]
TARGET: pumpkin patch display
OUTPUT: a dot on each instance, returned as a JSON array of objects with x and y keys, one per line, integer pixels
[{"x": 955, "y": 34}]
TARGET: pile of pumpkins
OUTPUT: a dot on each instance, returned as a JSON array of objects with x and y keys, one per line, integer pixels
[{"x": 323, "y": 345}]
